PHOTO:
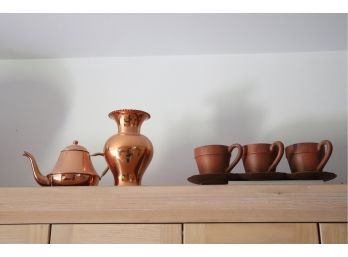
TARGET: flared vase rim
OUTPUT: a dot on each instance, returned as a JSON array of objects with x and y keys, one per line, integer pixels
[{"x": 123, "y": 111}]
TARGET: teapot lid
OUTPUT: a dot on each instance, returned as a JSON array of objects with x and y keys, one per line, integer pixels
[
  {"x": 75, "y": 147},
  {"x": 74, "y": 159}
]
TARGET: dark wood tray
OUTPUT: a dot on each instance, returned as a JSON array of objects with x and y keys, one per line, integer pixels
[
  {"x": 311, "y": 175},
  {"x": 222, "y": 179}
]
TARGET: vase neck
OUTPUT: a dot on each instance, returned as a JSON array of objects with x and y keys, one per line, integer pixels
[
  {"x": 122, "y": 129},
  {"x": 129, "y": 123}
]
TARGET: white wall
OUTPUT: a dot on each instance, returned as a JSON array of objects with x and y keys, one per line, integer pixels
[{"x": 194, "y": 100}]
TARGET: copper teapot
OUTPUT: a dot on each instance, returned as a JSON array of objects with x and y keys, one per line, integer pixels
[{"x": 73, "y": 168}]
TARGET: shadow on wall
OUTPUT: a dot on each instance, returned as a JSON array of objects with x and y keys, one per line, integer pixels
[
  {"x": 233, "y": 119},
  {"x": 33, "y": 108}
]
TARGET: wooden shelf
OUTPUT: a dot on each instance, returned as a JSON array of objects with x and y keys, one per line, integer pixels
[{"x": 174, "y": 204}]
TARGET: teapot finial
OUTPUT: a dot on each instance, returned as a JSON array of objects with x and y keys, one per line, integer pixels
[{"x": 75, "y": 142}]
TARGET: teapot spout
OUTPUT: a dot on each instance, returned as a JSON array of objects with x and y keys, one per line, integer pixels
[{"x": 42, "y": 180}]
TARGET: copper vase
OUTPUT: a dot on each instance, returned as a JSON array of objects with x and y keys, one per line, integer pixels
[{"x": 128, "y": 153}]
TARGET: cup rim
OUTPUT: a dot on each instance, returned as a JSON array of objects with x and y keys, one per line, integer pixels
[
  {"x": 249, "y": 148},
  {"x": 203, "y": 146},
  {"x": 217, "y": 149},
  {"x": 265, "y": 144},
  {"x": 293, "y": 149},
  {"x": 302, "y": 143}
]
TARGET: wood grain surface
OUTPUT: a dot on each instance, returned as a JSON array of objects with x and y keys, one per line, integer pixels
[
  {"x": 116, "y": 233},
  {"x": 251, "y": 233},
  {"x": 174, "y": 204},
  {"x": 333, "y": 233},
  {"x": 24, "y": 234}
]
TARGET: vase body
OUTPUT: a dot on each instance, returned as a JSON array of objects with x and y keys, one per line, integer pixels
[{"x": 128, "y": 153}]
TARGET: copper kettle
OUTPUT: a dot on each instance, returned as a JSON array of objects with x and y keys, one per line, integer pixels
[{"x": 73, "y": 168}]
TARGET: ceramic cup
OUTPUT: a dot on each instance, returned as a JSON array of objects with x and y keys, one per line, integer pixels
[
  {"x": 212, "y": 159},
  {"x": 262, "y": 157},
  {"x": 308, "y": 156}
]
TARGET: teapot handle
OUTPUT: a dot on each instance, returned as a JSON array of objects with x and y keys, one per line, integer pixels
[{"x": 106, "y": 169}]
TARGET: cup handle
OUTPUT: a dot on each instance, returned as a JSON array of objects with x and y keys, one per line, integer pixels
[
  {"x": 327, "y": 154},
  {"x": 106, "y": 169},
  {"x": 238, "y": 157},
  {"x": 280, "y": 149}
]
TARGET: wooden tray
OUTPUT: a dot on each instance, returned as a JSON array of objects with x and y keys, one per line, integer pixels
[{"x": 222, "y": 179}]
